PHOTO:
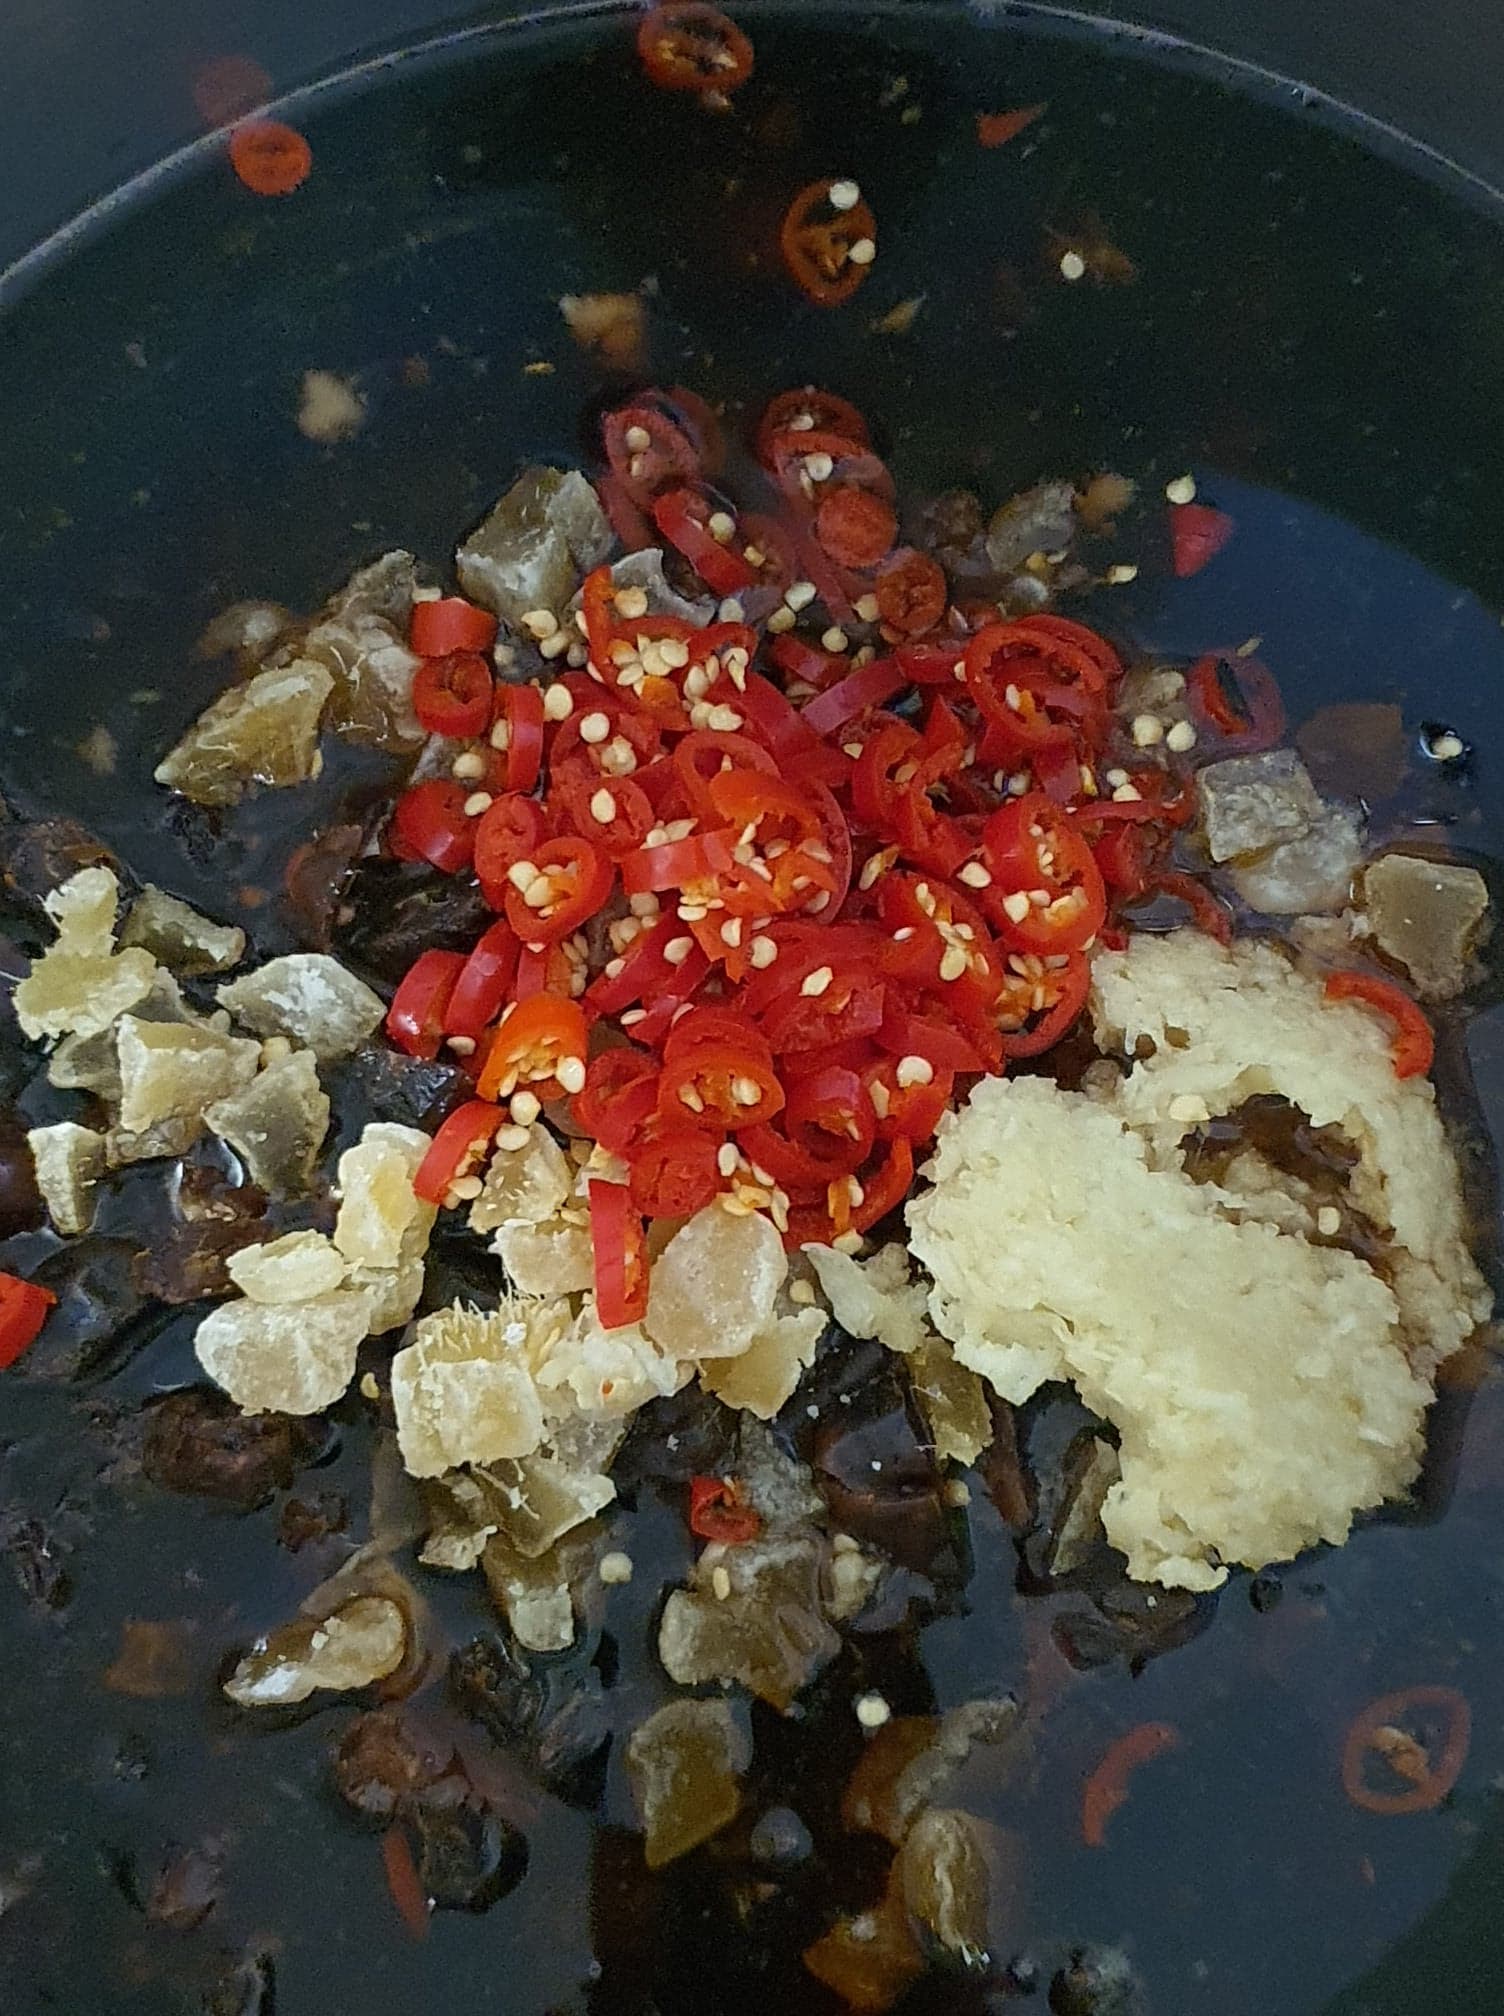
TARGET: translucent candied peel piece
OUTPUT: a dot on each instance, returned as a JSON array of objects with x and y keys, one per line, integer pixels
[
  {"x": 762, "y": 1379},
  {"x": 293, "y": 1359},
  {"x": 361, "y": 1642},
  {"x": 361, "y": 636},
  {"x": 876, "y": 1297},
  {"x": 1426, "y": 914},
  {"x": 298, "y": 1267},
  {"x": 536, "y": 1595},
  {"x": 715, "y": 1284},
  {"x": 381, "y": 1221},
  {"x": 179, "y": 938},
  {"x": 1249, "y": 803},
  {"x": 686, "y": 1764},
  {"x": 173, "y": 1070},
  {"x": 310, "y": 997},
  {"x": 752, "y": 1616},
  {"x": 264, "y": 731},
  {"x": 277, "y": 1123},
  {"x": 546, "y": 1259},
  {"x": 69, "y": 1161},
  {"x": 464, "y": 1393},
  {"x": 524, "y": 1186}
]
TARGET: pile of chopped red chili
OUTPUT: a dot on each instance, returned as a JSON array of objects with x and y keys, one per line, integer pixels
[{"x": 768, "y": 899}]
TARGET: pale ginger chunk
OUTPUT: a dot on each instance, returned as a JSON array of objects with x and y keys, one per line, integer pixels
[
  {"x": 874, "y": 1298},
  {"x": 464, "y": 1391},
  {"x": 753, "y": 1615},
  {"x": 552, "y": 1259},
  {"x": 535, "y": 1500},
  {"x": 310, "y": 997},
  {"x": 69, "y": 1162},
  {"x": 298, "y": 1267},
  {"x": 381, "y": 1221},
  {"x": 294, "y": 1359},
  {"x": 361, "y": 1642},
  {"x": 524, "y": 1186},
  {"x": 173, "y": 1070},
  {"x": 175, "y": 934},
  {"x": 277, "y": 1124},
  {"x": 761, "y": 1380},
  {"x": 393, "y": 1292},
  {"x": 264, "y": 731},
  {"x": 606, "y": 1372},
  {"x": 81, "y": 984},
  {"x": 686, "y": 1764},
  {"x": 715, "y": 1284}
]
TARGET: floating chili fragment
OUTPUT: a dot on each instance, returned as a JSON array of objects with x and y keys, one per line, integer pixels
[
  {"x": 1107, "y": 1787},
  {"x": 229, "y": 87},
  {"x": 1198, "y": 534},
  {"x": 1426, "y": 1769},
  {"x": 271, "y": 159},
  {"x": 717, "y": 1511},
  {"x": 687, "y": 46},
  {"x": 403, "y": 1882},
  {"x": 23, "y": 1311},
  {"x": 996, "y": 129},
  {"x": 828, "y": 250},
  {"x": 1414, "y": 1046}
]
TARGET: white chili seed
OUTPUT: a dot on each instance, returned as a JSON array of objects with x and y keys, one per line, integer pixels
[{"x": 814, "y": 984}]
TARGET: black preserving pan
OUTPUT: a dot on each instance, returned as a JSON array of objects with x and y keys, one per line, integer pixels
[{"x": 1315, "y": 323}]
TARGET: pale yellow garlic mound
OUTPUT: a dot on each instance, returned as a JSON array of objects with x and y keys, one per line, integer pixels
[{"x": 1265, "y": 1387}]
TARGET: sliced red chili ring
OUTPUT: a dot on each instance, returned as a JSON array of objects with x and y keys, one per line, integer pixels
[
  {"x": 770, "y": 548},
  {"x": 809, "y": 412},
  {"x": 686, "y": 45},
  {"x": 717, "y": 1026},
  {"x": 1236, "y": 701},
  {"x": 830, "y": 1116},
  {"x": 536, "y": 1040},
  {"x": 614, "y": 813},
  {"x": 572, "y": 879},
  {"x": 545, "y": 969},
  {"x": 457, "y": 1149},
  {"x": 817, "y": 242},
  {"x": 644, "y": 970},
  {"x": 855, "y": 527},
  {"x": 1054, "y": 993},
  {"x": 415, "y": 1020},
  {"x": 511, "y": 829},
  {"x": 667, "y": 457},
  {"x": 619, "y": 1255},
  {"x": 909, "y": 1108},
  {"x": 720, "y": 1086},
  {"x": 704, "y": 753},
  {"x": 683, "y": 517},
  {"x": 620, "y": 1097},
  {"x": 1032, "y": 851},
  {"x": 631, "y": 524},
  {"x": 452, "y": 694},
  {"x": 947, "y": 1048},
  {"x": 429, "y": 823},
  {"x": 850, "y": 1004},
  {"x": 480, "y": 992},
  {"x": 1207, "y": 914},
  {"x": 450, "y": 624},
  {"x": 672, "y": 1170},
  {"x": 938, "y": 940},
  {"x": 676, "y": 864},
  {"x": 1045, "y": 623},
  {"x": 520, "y": 707},
  {"x": 911, "y": 592},
  {"x": 1414, "y": 1047},
  {"x": 717, "y": 1512},
  {"x": 939, "y": 664}
]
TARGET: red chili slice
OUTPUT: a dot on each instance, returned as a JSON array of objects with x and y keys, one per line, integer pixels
[
  {"x": 1207, "y": 914},
  {"x": 648, "y": 452},
  {"x": 688, "y": 46},
  {"x": 576, "y": 878},
  {"x": 704, "y": 753},
  {"x": 809, "y": 412},
  {"x": 452, "y": 694},
  {"x": 910, "y": 1110},
  {"x": 672, "y": 1170},
  {"x": 545, "y": 969},
  {"x": 817, "y": 240},
  {"x": 1414, "y": 1047},
  {"x": 911, "y": 593},
  {"x": 996, "y": 129},
  {"x": 1236, "y": 702},
  {"x": 415, "y": 1020},
  {"x": 616, "y": 814},
  {"x": 457, "y": 1149},
  {"x": 1197, "y": 535},
  {"x": 675, "y": 864},
  {"x": 23, "y": 1311},
  {"x": 720, "y": 1084},
  {"x": 448, "y": 625},
  {"x": 1032, "y": 850},
  {"x": 480, "y": 992},
  {"x": 619, "y": 1098},
  {"x": 429, "y": 823},
  {"x": 854, "y": 527},
  {"x": 718, "y": 1512},
  {"x": 619, "y": 1252},
  {"x": 1041, "y": 1004},
  {"x": 683, "y": 517},
  {"x": 520, "y": 707},
  {"x": 511, "y": 829},
  {"x": 536, "y": 1040},
  {"x": 869, "y": 686},
  {"x": 948, "y": 1048}
]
